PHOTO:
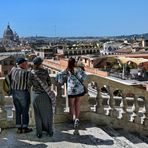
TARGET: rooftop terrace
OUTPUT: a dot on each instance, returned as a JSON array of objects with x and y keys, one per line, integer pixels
[{"x": 116, "y": 117}]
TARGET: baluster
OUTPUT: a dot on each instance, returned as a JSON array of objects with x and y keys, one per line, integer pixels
[
  {"x": 3, "y": 119},
  {"x": 31, "y": 115},
  {"x": 99, "y": 107},
  {"x": 1, "y": 112},
  {"x": 60, "y": 101},
  {"x": 112, "y": 111},
  {"x": 85, "y": 106},
  {"x": 146, "y": 114},
  {"x": 2, "y": 99},
  {"x": 124, "y": 114},
  {"x": 137, "y": 119}
]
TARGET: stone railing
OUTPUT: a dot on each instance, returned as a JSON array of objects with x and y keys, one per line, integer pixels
[{"x": 107, "y": 103}]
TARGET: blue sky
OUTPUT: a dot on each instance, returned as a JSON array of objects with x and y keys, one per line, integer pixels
[{"x": 65, "y": 18}]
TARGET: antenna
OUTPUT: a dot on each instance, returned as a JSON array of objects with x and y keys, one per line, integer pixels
[{"x": 55, "y": 30}]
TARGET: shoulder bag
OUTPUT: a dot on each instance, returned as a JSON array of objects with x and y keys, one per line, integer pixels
[{"x": 46, "y": 88}]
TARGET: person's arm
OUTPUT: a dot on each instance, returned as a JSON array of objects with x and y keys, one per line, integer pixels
[{"x": 61, "y": 77}]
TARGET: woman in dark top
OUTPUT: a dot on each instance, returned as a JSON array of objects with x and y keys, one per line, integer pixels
[{"x": 41, "y": 102}]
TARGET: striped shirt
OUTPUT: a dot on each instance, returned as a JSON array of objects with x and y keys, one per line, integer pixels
[{"x": 19, "y": 78}]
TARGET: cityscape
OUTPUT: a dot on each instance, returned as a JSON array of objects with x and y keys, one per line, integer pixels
[
  {"x": 117, "y": 65},
  {"x": 110, "y": 55},
  {"x": 114, "y": 111}
]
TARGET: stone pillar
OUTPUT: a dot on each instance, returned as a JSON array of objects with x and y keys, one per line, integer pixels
[
  {"x": 60, "y": 101},
  {"x": 112, "y": 111},
  {"x": 137, "y": 119},
  {"x": 146, "y": 114},
  {"x": 125, "y": 115},
  {"x": 31, "y": 116},
  {"x": 99, "y": 107}
]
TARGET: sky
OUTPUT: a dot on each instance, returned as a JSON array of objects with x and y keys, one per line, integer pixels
[{"x": 73, "y": 18}]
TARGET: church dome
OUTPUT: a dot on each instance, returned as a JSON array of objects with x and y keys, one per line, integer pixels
[{"x": 8, "y": 34}]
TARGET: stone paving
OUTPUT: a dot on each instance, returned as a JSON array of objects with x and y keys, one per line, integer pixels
[{"x": 90, "y": 136}]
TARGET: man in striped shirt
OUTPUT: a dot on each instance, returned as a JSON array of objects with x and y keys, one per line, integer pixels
[{"x": 20, "y": 94}]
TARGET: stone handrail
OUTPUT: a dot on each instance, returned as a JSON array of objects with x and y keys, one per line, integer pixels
[{"x": 107, "y": 103}]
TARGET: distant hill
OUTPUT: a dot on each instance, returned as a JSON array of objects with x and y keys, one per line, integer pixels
[
  {"x": 33, "y": 38},
  {"x": 145, "y": 35}
]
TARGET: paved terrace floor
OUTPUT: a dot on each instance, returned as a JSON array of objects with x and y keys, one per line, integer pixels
[{"x": 91, "y": 136}]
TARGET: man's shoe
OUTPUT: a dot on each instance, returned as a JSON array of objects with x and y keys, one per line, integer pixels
[
  {"x": 19, "y": 130},
  {"x": 27, "y": 130}
]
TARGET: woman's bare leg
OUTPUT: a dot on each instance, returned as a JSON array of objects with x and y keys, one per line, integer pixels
[
  {"x": 72, "y": 107},
  {"x": 77, "y": 107}
]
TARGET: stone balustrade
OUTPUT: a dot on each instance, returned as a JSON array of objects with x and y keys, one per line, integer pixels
[{"x": 106, "y": 103}]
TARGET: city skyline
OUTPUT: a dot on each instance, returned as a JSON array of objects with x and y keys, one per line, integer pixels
[{"x": 66, "y": 18}]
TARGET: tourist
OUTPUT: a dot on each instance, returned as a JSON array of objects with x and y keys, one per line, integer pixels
[
  {"x": 20, "y": 94},
  {"x": 73, "y": 76},
  {"x": 42, "y": 103}
]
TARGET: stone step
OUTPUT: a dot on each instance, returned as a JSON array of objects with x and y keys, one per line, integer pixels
[
  {"x": 140, "y": 140},
  {"x": 126, "y": 139}
]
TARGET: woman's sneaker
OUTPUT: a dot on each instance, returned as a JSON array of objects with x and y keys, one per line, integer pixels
[{"x": 76, "y": 123}]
